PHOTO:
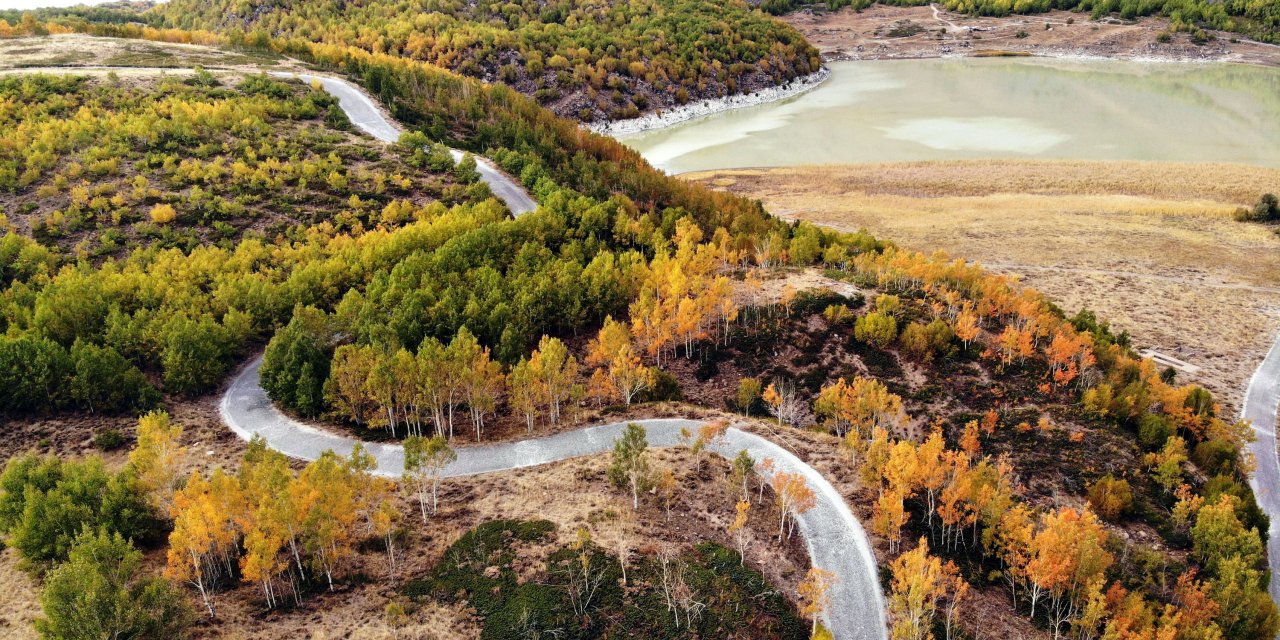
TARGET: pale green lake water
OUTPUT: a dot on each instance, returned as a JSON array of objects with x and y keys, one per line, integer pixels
[{"x": 884, "y": 111}]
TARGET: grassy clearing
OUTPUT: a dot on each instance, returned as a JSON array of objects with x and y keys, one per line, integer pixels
[
  {"x": 83, "y": 50},
  {"x": 1152, "y": 246}
]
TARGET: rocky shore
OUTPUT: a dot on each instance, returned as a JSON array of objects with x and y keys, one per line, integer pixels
[{"x": 668, "y": 117}]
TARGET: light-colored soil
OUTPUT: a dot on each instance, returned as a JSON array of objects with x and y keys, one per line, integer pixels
[
  {"x": 879, "y": 32},
  {"x": 79, "y": 50},
  {"x": 1151, "y": 247}
]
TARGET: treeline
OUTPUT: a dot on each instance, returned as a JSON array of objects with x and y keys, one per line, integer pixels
[
  {"x": 585, "y": 61},
  {"x": 98, "y": 167},
  {"x": 186, "y": 316}
]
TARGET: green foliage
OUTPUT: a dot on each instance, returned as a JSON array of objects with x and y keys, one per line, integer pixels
[
  {"x": 876, "y": 328},
  {"x": 926, "y": 341},
  {"x": 46, "y": 502},
  {"x": 1216, "y": 456},
  {"x": 747, "y": 399},
  {"x": 196, "y": 353},
  {"x": 462, "y": 567},
  {"x": 1219, "y": 534},
  {"x": 629, "y": 466},
  {"x": 98, "y": 166},
  {"x": 665, "y": 387},
  {"x": 1153, "y": 431},
  {"x": 466, "y": 171},
  {"x": 1246, "y": 504},
  {"x": 1266, "y": 210},
  {"x": 100, "y": 593},
  {"x": 108, "y": 440},
  {"x": 296, "y": 362},
  {"x": 104, "y": 381},
  {"x": 33, "y": 373}
]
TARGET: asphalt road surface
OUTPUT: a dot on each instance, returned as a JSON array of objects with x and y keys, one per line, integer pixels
[{"x": 835, "y": 539}]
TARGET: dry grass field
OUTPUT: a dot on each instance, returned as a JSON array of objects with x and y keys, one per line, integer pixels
[
  {"x": 1150, "y": 246},
  {"x": 80, "y": 50}
]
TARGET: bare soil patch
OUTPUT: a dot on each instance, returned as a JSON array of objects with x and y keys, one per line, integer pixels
[
  {"x": 887, "y": 32},
  {"x": 1152, "y": 247}
]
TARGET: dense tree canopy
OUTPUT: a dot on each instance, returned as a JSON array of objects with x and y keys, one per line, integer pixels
[{"x": 583, "y": 60}]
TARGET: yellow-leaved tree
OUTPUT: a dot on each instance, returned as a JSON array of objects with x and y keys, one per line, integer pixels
[{"x": 158, "y": 456}]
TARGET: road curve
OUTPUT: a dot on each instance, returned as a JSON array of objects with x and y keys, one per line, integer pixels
[
  {"x": 834, "y": 537},
  {"x": 1261, "y": 400},
  {"x": 363, "y": 113}
]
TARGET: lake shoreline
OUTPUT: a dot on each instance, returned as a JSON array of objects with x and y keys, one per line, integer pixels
[{"x": 684, "y": 113}]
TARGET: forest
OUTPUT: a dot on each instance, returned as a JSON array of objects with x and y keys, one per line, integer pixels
[{"x": 588, "y": 62}]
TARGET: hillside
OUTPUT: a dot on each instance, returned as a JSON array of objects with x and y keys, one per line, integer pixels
[
  {"x": 97, "y": 166},
  {"x": 589, "y": 62},
  {"x": 1019, "y": 471}
]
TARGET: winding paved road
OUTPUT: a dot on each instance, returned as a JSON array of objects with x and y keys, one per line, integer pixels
[
  {"x": 835, "y": 539},
  {"x": 1261, "y": 400},
  {"x": 363, "y": 113}
]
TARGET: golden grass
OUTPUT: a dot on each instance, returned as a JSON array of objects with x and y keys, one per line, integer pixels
[
  {"x": 19, "y": 606},
  {"x": 1151, "y": 246}
]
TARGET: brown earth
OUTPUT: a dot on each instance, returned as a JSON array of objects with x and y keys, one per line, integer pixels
[
  {"x": 1151, "y": 247},
  {"x": 887, "y": 32}
]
